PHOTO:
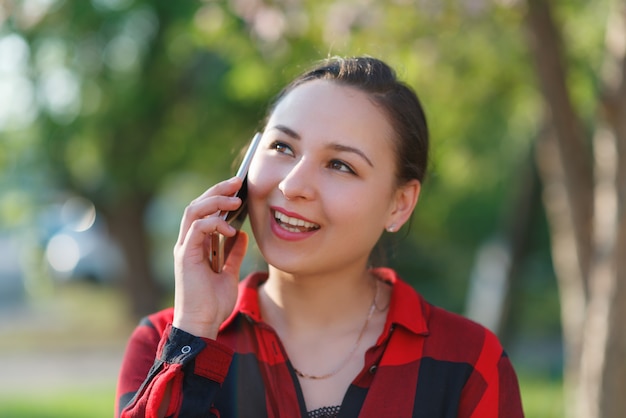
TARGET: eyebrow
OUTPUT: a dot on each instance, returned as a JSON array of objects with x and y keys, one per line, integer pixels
[
  {"x": 357, "y": 151},
  {"x": 338, "y": 147}
]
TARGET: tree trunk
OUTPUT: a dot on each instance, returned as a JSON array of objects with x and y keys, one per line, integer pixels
[
  {"x": 548, "y": 54},
  {"x": 564, "y": 258},
  {"x": 600, "y": 394},
  {"x": 126, "y": 219},
  {"x": 568, "y": 211},
  {"x": 604, "y": 358},
  {"x": 586, "y": 216}
]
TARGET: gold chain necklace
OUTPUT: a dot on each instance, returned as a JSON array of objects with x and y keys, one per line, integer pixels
[{"x": 341, "y": 365}]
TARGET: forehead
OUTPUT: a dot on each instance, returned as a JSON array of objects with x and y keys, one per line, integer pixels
[{"x": 332, "y": 110}]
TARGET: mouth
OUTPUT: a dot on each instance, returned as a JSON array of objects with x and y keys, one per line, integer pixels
[{"x": 292, "y": 224}]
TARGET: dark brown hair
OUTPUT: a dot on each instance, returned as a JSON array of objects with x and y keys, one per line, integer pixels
[{"x": 398, "y": 101}]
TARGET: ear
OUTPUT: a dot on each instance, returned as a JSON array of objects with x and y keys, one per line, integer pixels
[{"x": 404, "y": 201}]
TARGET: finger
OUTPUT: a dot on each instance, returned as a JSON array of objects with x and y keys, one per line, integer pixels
[
  {"x": 199, "y": 207},
  {"x": 193, "y": 248},
  {"x": 209, "y": 207},
  {"x": 200, "y": 230}
]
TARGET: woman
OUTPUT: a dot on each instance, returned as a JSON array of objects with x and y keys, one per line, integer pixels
[{"x": 321, "y": 334}]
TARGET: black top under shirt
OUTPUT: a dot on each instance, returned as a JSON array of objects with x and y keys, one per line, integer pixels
[{"x": 325, "y": 412}]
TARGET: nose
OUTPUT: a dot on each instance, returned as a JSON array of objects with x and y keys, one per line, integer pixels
[{"x": 299, "y": 181}]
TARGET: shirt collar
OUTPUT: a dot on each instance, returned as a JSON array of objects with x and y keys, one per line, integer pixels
[
  {"x": 407, "y": 308},
  {"x": 248, "y": 299}
]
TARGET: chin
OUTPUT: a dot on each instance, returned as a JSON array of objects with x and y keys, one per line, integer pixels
[{"x": 286, "y": 262}]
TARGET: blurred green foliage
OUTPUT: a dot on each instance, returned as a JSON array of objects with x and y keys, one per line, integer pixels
[
  {"x": 75, "y": 402},
  {"x": 149, "y": 101}
]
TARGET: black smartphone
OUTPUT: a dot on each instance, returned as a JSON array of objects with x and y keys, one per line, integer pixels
[{"x": 219, "y": 247}]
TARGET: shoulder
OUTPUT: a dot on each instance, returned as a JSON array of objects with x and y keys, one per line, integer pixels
[
  {"x": 460, "y": 339},
  {"x": 447, "y": 336},
  {"x": 454, "y": 339},
  {"x": 151, "y": 327},
  {"x": 158, "y": 320}
]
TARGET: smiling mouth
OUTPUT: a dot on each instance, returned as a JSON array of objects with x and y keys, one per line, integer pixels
[{"x": 294, "y": 224}]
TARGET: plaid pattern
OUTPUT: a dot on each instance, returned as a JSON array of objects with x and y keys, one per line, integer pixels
[{"x": 428, "y": 363}]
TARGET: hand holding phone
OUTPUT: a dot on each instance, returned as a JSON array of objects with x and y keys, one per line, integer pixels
[{"x": 218, "y": 247}]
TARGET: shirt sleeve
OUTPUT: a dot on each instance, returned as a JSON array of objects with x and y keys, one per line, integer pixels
[
  {"x": 191, "y": 368},
  {"x": 492, "y": 391},
  {"x": 509, "y": 399}
]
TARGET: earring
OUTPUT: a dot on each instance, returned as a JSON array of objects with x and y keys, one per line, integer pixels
[{"x": 391, "y": 228}]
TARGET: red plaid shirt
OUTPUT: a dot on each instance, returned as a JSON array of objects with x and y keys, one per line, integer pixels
[{"x": 427, "y": 363}]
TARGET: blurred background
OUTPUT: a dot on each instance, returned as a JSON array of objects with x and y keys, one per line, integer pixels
[{"x": 114, "y": 114}]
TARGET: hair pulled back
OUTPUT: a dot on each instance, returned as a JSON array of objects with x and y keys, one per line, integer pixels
[{"x": 398, "y": 101}]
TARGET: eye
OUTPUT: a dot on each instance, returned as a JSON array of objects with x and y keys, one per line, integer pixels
[
  {"x": 281, "y": 147},
  {"x": 340, "y": 166}
]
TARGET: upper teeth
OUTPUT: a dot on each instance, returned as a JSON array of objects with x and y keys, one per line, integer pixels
[{"x": 294, "y": 221}]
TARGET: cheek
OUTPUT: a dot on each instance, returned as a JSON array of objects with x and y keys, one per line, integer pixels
[
  {"x": 254, "y": 170},
  {"x": 261, "y": 179},
  {"x": 364, "y": 209},
  {"x": 370, "y": 209},
  {"x": 255, "y": 201},
  {"x": 258, "y": 168}
]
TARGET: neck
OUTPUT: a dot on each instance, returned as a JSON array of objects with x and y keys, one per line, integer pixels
[{"x": 297, "y": 302}]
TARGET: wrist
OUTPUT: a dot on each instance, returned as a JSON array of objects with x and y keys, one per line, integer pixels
[{"x": 196, "y": 328}]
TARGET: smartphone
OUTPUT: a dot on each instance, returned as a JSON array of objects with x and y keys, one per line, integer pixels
[{"x": 219, "y": 247}]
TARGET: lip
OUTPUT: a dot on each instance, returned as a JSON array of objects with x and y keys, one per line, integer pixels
[{"x": 283, "y": 233}]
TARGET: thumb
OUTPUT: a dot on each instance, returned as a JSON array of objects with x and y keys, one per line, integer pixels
[{"x": 238, "y": 246}]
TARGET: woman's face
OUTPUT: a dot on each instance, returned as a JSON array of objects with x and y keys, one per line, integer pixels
[{"x": 322, "y": 182}]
